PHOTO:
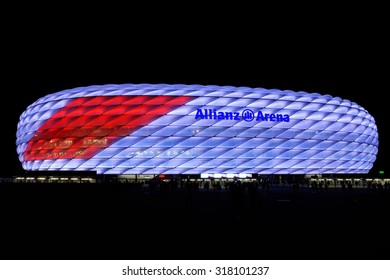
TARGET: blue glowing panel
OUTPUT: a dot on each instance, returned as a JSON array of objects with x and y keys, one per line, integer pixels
[{"x": 193, "y": 129}]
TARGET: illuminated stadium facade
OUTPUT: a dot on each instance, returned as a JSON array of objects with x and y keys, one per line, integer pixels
[{"x": 194, "y": 129}]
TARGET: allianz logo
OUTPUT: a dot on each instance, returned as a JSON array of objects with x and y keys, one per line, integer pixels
[{"x": 246, "y": 115}]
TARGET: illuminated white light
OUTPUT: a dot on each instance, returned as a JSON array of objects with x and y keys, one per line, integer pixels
[
  {"x": 244, "y": 175},
  {"x": 225, "y": 175}
]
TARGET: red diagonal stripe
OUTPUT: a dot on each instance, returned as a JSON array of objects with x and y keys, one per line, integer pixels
[{"x": 87, "y": 125}]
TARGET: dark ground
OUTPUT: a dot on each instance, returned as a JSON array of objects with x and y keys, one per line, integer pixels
[{"x": 93, "y": 221}]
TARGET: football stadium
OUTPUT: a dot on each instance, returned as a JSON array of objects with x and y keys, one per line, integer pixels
[{"x": 195, "y": 129}]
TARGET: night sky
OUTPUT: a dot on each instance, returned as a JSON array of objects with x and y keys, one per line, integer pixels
[{"x": 342, "y": 67}]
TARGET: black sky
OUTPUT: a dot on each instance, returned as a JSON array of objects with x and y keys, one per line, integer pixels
[{"x": 351, "y": 66}]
